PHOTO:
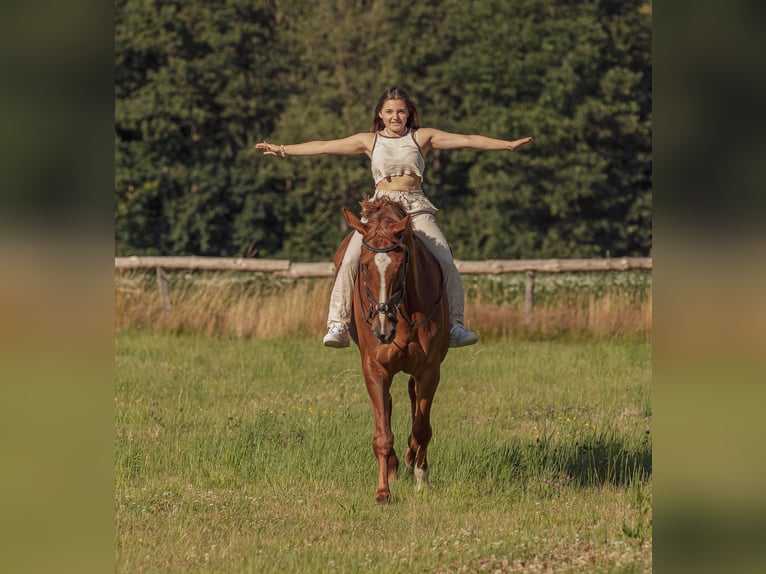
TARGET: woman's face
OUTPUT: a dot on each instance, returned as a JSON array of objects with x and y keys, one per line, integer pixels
[{"x": 394, "y": 114}]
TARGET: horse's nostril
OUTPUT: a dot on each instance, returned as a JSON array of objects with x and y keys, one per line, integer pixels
[{"x": 384, "y": 336}]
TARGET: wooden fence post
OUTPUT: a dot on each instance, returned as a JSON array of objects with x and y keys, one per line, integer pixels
[
  {"x": 529, "y": 296},
  {"x": 162, "y": 285}
]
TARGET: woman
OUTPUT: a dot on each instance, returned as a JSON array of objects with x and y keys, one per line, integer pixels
[{"x": 397, "y": 146}]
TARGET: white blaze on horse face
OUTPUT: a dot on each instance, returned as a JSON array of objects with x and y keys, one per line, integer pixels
[{"x": 382, "y": 261}]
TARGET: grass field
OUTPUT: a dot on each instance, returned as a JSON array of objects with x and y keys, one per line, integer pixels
[{"x": 241, "y": 455}]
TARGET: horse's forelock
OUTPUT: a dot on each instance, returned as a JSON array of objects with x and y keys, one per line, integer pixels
[
  {"x": 383, "y": 206},
  {"x": 380, "y": 215}
]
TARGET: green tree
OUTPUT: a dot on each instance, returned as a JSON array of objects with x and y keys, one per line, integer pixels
[
  {"x": 194, "y": 82},
  {"x": 565, "y": 74},
  {"x": 199, "y": 83}
]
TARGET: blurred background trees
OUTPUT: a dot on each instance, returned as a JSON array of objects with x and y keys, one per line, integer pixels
[{"x": 199, "y": 83}]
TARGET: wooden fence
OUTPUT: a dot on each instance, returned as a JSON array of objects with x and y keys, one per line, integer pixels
[{"x": 285, "y": 268}]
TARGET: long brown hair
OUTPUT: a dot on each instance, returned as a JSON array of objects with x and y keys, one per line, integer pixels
[{"x": 396, "y": 93}]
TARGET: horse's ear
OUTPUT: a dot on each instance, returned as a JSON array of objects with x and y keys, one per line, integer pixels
[
  {"x": 401, "y": 225},
  {"x": 352, "y": 220}
]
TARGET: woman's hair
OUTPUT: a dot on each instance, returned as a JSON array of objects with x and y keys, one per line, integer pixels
[{"x": 396, "y": 93}]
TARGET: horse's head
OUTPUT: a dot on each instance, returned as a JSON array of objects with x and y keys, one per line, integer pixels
[{"x": 382, "y": 263}]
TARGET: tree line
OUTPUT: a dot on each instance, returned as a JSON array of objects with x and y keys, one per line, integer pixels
[{"x": 198, "y": 83}]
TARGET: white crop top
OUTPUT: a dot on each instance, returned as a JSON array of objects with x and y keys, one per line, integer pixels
[{"x": 396, "y": 156}]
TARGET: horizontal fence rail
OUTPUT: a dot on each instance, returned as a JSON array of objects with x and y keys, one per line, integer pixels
[
  {"x": 284, "y": 268},
  {"x": 288, "y": 269}
]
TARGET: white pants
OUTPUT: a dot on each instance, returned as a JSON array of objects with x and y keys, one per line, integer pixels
[{"x": 424, "y": 225}]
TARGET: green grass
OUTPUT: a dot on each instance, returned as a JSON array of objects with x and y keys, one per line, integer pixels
[{"x": 255, "y": 456}]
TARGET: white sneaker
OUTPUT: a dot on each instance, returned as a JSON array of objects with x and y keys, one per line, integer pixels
[
  {"x": 336, "y": 337},
  {"x": 460, "y": 336}
]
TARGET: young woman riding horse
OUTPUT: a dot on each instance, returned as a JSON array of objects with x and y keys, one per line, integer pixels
[{"x": 397, "y": 147}]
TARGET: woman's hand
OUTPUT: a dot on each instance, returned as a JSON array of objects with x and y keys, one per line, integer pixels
[
  {"x": 516, "y": 144},
  {"x": 270, "y": 149}
]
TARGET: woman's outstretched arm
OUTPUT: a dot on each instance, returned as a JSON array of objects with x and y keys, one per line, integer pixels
[
  {"x": 358, "y": 143},
  {"x": 438, "y": 139}
]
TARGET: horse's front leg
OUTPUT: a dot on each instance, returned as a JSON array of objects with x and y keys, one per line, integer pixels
[
  {"x": 393, "y": 460},
  {"x": 378, "y": 383}
]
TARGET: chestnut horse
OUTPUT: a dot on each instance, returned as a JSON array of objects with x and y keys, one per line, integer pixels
[{"x": 400, "y": 324}]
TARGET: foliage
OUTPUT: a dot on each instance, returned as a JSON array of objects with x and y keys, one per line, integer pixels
[
  {"x": 194, "y": 82},
  {"x": 199, "y": 83}
]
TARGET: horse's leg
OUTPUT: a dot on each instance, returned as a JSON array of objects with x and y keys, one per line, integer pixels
[
  {"x": 425, "y": 388},
  {"x": 393, "y": 460},
  {"x": 409, "y": 454},
  {"x": 378, "y": 383}
]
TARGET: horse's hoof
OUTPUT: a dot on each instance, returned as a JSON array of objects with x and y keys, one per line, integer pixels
[
  {"x": 383, "y": 497},
  {"x": 421, "y": 478}
]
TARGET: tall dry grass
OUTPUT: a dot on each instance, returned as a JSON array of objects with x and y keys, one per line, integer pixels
[
  {"x": 256, "y": 306},
  {"x": 601, "y": 315},
  {"x": 222, "y": 304}
]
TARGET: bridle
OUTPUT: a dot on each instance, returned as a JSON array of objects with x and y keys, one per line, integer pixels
[{"x": 387, "y": 308}]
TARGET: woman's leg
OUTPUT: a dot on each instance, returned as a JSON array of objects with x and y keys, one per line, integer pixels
[
  {"x": 341, "y": 299},
  {"x": 424, "y": 224}
]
